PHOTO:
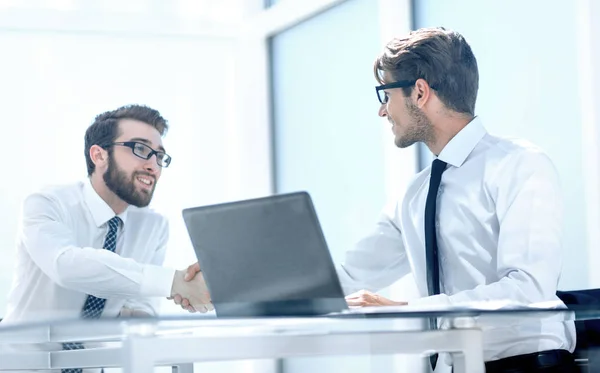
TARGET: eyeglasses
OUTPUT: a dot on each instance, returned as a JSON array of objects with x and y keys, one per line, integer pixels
[
  {"x": 145, "y": 152},
  {"x": 382, "y": 95}
]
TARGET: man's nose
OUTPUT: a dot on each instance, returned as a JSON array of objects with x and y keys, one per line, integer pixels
[
  {"x": 382, "y": 111},
  {"x": 152, "y": 165}
]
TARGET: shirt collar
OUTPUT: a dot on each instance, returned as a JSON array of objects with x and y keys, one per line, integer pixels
[
  {"x": 100, "y": 210},
  {"x": 460, "y": 146}
]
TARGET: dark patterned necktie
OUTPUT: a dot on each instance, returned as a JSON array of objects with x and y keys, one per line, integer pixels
[
  {"x": 431, "y": 248},
  {"x": 94, "y": 306}
]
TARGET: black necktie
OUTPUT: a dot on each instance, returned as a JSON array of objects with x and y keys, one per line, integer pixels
[{"x": 431, "y": 248}]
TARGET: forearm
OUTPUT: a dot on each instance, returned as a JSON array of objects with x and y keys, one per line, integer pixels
[
  {"x": 107, "y": 275},
  {"x": 48, "y": 236},
  {"x": 517, "y": 287}
]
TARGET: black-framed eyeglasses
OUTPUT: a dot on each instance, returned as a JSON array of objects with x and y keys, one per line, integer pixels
[
  {"x": 145, "y": 152},
  {"x": 383, "y": 97}
]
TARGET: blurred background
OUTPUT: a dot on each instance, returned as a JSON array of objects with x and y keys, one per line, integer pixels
[{"x": 277, "y": 96}]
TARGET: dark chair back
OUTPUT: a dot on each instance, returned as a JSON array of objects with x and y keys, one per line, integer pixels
[{"x": 587, "y": 349}]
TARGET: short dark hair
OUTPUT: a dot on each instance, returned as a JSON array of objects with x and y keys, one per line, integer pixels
[
  {"x": 441, "y": 57},
  {"x": 105, "y": 128}
]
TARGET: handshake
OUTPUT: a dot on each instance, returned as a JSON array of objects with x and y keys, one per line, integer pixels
[{"x": 189, "y": 290}]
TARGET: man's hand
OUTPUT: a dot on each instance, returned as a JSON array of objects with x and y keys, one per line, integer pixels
[
  {"x": 190, "y": 273},
  {"x": 191, "y": 291},
  {"x": 365, "y": 298}
]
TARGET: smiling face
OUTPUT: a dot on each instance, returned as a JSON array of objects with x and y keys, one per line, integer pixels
[
  {"x": 131, "y": 178},
  {"x": 409, "y": 122}
]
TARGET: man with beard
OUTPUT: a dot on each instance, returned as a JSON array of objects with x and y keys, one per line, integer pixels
[
  {"x": 93, "y": 249},
  {"x": 482, "y": 223}
]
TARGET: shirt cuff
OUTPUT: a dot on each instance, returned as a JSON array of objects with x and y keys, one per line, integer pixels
[{"x": 157, "y": 281}]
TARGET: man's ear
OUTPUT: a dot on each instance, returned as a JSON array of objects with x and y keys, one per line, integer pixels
[
  {"x": 422, "y": 91},
  {"x": 99, "y": 156}
]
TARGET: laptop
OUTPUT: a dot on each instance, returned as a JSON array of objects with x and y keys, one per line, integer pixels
[{"x": 265, "y": 257}]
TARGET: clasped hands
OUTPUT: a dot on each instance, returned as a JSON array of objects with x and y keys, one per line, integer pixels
[
  {"x": 189, "y": 290},
  {"x": 200, "y": 302}
]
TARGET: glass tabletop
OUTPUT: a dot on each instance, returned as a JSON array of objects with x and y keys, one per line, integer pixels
[
  {"x": 106, "y": 342},
  {"x": 370, "y": 319}
]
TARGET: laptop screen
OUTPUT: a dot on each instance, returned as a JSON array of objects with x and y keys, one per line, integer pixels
[{"x": 265, "y": 256}]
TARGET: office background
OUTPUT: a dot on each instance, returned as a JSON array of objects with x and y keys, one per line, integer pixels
[{"x": 276, "y": 97}]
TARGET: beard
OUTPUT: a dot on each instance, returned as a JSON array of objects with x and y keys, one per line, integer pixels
[
  {"x": 421, "y": 129},
  {"x": 124, "y": 186}
]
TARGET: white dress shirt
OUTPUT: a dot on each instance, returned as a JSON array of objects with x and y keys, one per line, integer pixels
[
  {"x": 499, "y": 228},
  {"x": 60, "y": 257}
]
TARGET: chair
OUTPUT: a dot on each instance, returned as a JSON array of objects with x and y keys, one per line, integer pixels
[{"x": 587, "y": 349}]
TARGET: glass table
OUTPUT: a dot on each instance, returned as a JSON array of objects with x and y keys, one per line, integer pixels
[{"x": 139, "y": 344}]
